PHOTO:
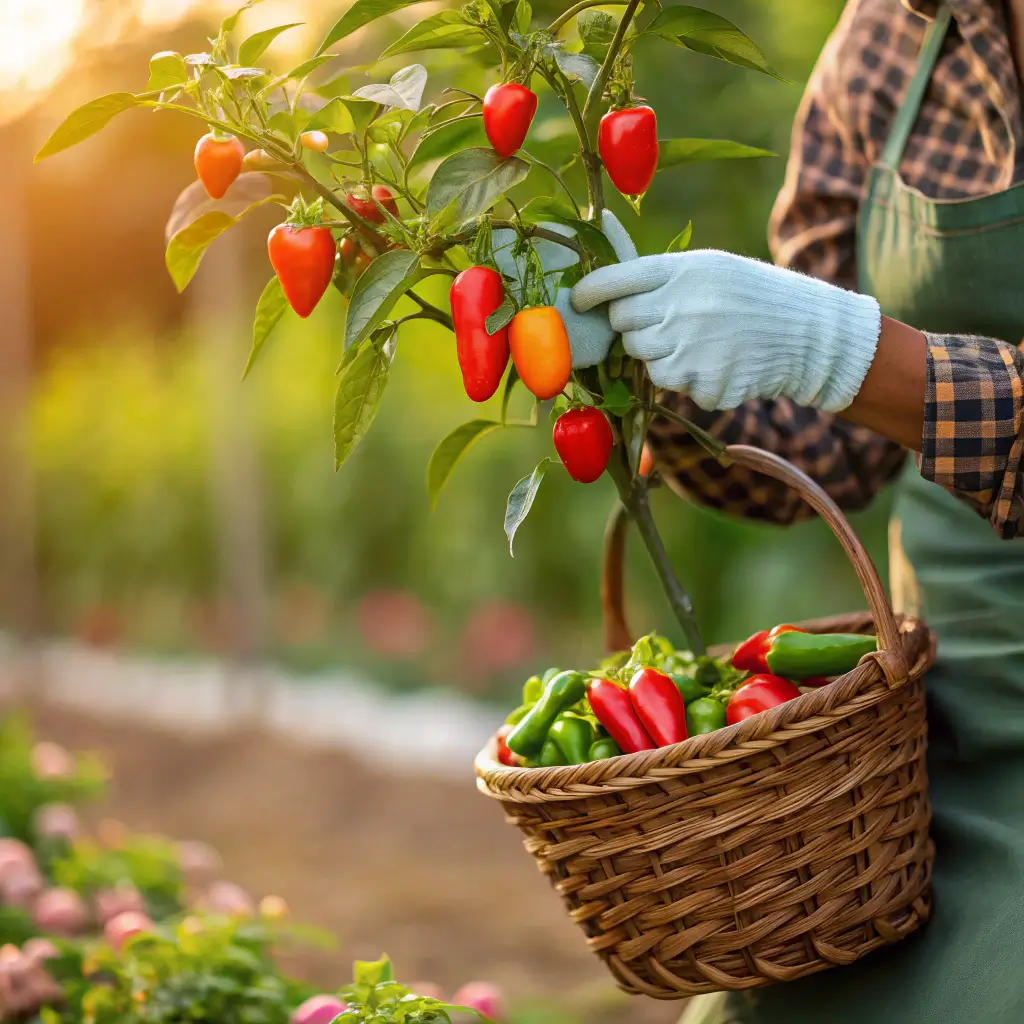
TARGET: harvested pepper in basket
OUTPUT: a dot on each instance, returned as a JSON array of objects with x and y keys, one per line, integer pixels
[
  {"x": 757, "y": 694},
  {"x": 705, "y": 714},
  {"x": 796, "y": 654},
  {"x": 560, "y": 693},
  {"x": 573, "y": 736},
  {"x": 614, "y": 710},
  {"x": 603, "y": 748},
  {"x": 659, "y": 706}
]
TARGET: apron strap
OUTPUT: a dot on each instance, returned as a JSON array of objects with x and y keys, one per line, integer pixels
[{"x": 906, "y": 116}]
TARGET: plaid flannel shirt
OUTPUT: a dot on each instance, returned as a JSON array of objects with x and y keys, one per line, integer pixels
[{"x": 966, "y": 143}]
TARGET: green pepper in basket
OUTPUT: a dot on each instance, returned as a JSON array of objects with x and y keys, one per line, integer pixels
[
  {"x": 807, "y": 655},
  {"x": 704, "y": 715},
  {"x": 532, "y": 689},
  {"x": 573, "y": 737},
  {"x": 518, "y": 715},
  {"x": 689, "y": 688},
  {"x": 549, "y": 756},
  {"x": 603, "y": 748},
  {"x": 561, "y": 692}
]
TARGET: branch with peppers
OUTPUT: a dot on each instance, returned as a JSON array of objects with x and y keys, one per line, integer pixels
[
  {"x": 654, "y": 695},
  {"x": 386, "y": 193}
]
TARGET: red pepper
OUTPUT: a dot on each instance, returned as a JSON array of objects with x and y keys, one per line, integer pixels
[
  {"x": 659, "y": 706},
  {"x": 583, "y": 440},
  {"x": 475, "y": 294},
  {"x": 628, "y": 143},
  {"x": 757, "y": 694},
  {"x": 505, "y": 756},
  {"x": 508, "y": 110},
  {"x": 614, "y": 710},
  {"x": 750, "y": 655}
]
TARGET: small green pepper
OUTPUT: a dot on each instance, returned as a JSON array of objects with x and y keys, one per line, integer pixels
[
  {"x": 532, "y": 689},
  {"x": 518, "y": 715},
  {"x": 549, "y": 756},
  {"x": 704, "y": 715},
  {"x": 688, "y": 687},
  {"x": 561, "y": 692},
  {"x": 603, "y": 748},
  {"x": 573, "y": 737},
  {"x": 808, "y": 655}
]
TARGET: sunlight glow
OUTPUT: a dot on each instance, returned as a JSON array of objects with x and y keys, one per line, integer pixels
[{"x": 36, "y": 41}]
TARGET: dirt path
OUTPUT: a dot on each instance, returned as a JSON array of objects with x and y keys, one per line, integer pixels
[{"x": 425, "y": 870}]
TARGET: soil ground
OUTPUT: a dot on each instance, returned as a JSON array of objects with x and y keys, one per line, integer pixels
[{"x": 424, "y": 869}]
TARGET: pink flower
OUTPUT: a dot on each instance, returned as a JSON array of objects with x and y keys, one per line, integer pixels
[
  {"x": 56, "y": 821},
  {"x": 39, "y": 949},
  {"x": 498, "y": 636},
  {"x": 483, "y": 997},
  {"x": 318, "y": 1010},
  {"x": 394, "y": 624},
  {"x": 61, "y": 912},
  {"x": 52, "y": 761},
  {"x": 199, "y": 862},
  {"x": 123, "y": 897},
  {"x": 119, "y": 929},
  {"x": 228, "y": 898}
]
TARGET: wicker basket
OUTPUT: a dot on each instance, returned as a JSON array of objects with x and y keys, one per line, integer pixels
[{"x": 792, "y": 842}]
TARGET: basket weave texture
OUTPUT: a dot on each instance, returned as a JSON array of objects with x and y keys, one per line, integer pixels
[{"x": 789, "y": 843}]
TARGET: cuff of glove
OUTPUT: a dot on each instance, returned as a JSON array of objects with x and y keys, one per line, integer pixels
[{"x": 855, "y": 324}]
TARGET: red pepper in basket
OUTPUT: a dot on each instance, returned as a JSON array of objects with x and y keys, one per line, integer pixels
[
  {"x": 505, "y": 756},
  {"x": 750, "y": 655},
  {"x": 757, "y": 694},
  {"x": 614, "y": 710},
  {"x": 659, "y": 706}
]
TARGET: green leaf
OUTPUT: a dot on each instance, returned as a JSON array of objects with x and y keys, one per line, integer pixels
[
  {"x": 523, "y": 17},
  {"x": 85, "y": 121},
  {"x": 254, "y": 47},
  {"x": 450, "y": 450},
  {"x": 469, "y": 183},
  {"x": 577, "y": 67},
  {"x": 200, "y": 60},
  {"x": 361, "y": 13},
  {"x": 307, "y": 67},
  {"x": 501, "y": 317},
  {"x": 596, "y": 29},
  {"x": 676, "y": 152},
  {"x": 185, "y": 250},
  {"x": 230, "y": 23},
  {"x": 405, "y": 90},
  {"x": 355, "y": 407},
  {"x": 520, "y": 501},
  {"x": 546, "y": 208},
  {"x": 333, "y": 116},
  {"x": 682, "y": 240},
  {"x": 706, "y": 32},
  {"x": 441, "y": 31},
  {"x": 235, "y": 72},
  {"x": 372, "y": 972},
  {"x": 617, "y": 399},
  {"x": 447, "y": 138},
  {"x": 381, "y": 285},
  {"x": 167, "y": 70},
  {"x": 269, "y": 310}
]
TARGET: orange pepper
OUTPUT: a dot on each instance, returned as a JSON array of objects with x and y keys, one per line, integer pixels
[{"x": 540, "y": 350}]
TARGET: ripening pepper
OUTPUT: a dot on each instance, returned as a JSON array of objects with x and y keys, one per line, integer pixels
[
  {"x": 798, "y": 655},
  {"x": 613, "y": 707},
  {"x": 529, "y": 735},
  {"x": 475, "y": 294},
  {"x": 628, "y": 143},
  {"x": 603, "y": 748},
  {"x": 659, "y": 706},
  {"x": 508, "y": 111},
  {"x": 540, "y": 350},
  {"x": 573, "y": 736}
]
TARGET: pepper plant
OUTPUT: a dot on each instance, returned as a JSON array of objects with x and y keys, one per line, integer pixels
[{"x": 385, "y": 190}]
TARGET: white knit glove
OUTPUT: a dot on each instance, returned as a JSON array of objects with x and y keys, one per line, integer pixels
[{"x": 726, "y": 329}]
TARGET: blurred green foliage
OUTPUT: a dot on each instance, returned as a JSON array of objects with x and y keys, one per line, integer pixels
[{"x": 122, "y": 432}]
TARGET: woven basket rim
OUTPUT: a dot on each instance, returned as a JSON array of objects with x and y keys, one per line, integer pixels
[{"x": 861, "y": 688}]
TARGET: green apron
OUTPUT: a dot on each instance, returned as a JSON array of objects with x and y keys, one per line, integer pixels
[{"x": 947, "y": 267}]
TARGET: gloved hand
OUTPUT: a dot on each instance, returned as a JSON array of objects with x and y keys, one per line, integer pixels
[
  {"x": 726, "y": 329},
  {"x": 590, "y": 333}
]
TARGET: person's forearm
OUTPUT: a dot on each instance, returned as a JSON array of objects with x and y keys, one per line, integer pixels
[{"x": 891, "y": 399}]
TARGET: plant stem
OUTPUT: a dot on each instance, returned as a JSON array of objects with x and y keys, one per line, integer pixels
[
  {"x": 633, "y": 494},
  {"x": 430, "y": 312},
  {"x": 561, "y": 181},
  {"x": 584, "y": 5}
]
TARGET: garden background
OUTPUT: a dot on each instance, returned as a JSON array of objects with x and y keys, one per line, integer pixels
[{"x": 156, "y": 506}]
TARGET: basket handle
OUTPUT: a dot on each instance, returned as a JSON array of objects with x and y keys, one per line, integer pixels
[{"x": 889, "y": 656}]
